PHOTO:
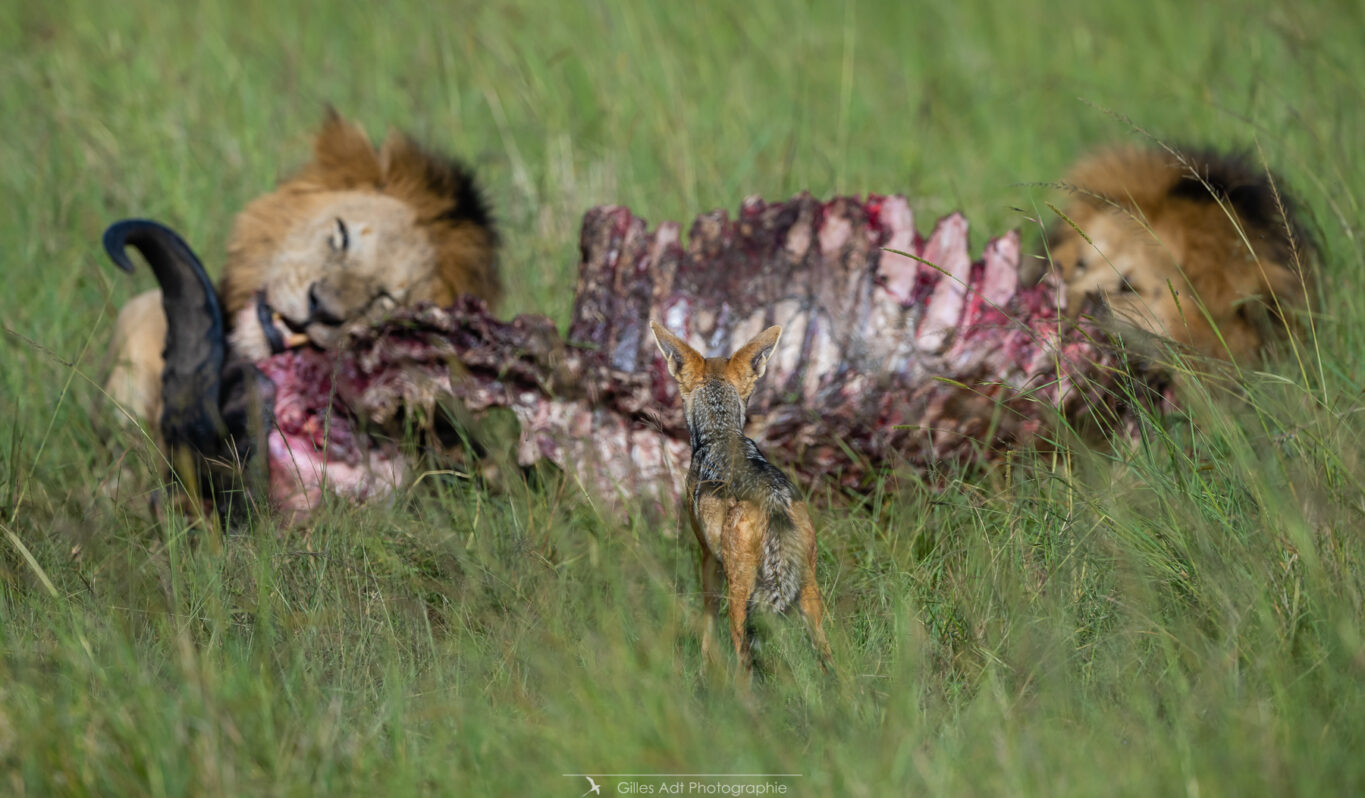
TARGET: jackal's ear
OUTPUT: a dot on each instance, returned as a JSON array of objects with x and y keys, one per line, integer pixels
[
  {"x": 754, "y": 355},
  {"x": 676, "y": 351}
]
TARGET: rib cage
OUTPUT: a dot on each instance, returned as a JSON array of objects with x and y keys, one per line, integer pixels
[{"x": 887, "y": 360}]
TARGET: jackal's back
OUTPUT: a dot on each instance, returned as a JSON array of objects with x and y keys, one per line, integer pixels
[{"x": 736, "y": 469}]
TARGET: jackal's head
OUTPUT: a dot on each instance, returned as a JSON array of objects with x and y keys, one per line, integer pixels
[{"x": 715, "y": 390}]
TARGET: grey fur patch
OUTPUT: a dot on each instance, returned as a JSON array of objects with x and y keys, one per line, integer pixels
[{"x": 781, "y": 571}]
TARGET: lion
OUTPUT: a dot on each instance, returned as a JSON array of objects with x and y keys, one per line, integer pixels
[
  {"x": 355, "y": 233},
  {"x": 1202, "y": 249}
]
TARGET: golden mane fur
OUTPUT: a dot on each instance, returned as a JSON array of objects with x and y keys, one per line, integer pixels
[
  {"x": 1200, "y": 248},
  {"x": 447, "y": 207},
  {"x": 354, "y": 233}
]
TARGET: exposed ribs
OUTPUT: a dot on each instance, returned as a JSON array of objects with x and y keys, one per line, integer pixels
[{"x": 886, "y": 360}]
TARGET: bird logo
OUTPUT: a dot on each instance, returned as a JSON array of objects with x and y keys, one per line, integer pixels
[{"x": 594, "y": 788}]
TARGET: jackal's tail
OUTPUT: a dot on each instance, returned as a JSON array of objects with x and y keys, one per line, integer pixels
[{"x": 782, "y": 569}]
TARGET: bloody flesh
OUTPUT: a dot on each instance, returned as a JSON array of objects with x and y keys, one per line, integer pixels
[{"x": 886, "y": 360}]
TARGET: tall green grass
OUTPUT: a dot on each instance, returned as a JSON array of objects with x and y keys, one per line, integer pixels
[{"x": 1183, "y": 616}]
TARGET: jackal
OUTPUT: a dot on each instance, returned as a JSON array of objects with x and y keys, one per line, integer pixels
[{"x": 742, "y": 508}]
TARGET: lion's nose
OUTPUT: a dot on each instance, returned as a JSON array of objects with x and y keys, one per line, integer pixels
[{"x": 318, "y": 310}]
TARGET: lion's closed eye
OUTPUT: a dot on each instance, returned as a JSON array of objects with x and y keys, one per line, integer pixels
[{"x": 340, "y": 239}]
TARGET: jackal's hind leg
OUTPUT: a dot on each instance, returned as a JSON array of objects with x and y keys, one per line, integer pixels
[
  {"x": 741, "y": 584},
  {"x": 710, "y": 597},
  {"x": 811, "y": 606},
  {"x": 743, "y": 544},
  {"x": 814, "y": 611}
]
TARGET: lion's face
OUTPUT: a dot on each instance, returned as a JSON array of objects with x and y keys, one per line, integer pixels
[
  {"x": 1132, "y": 274},
  {"x": 1186, "y": 279},
  {"x": 1167, "y": 260},
  {"x": 350, "y": 263},
  {"x": 357, "y": 233}
]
